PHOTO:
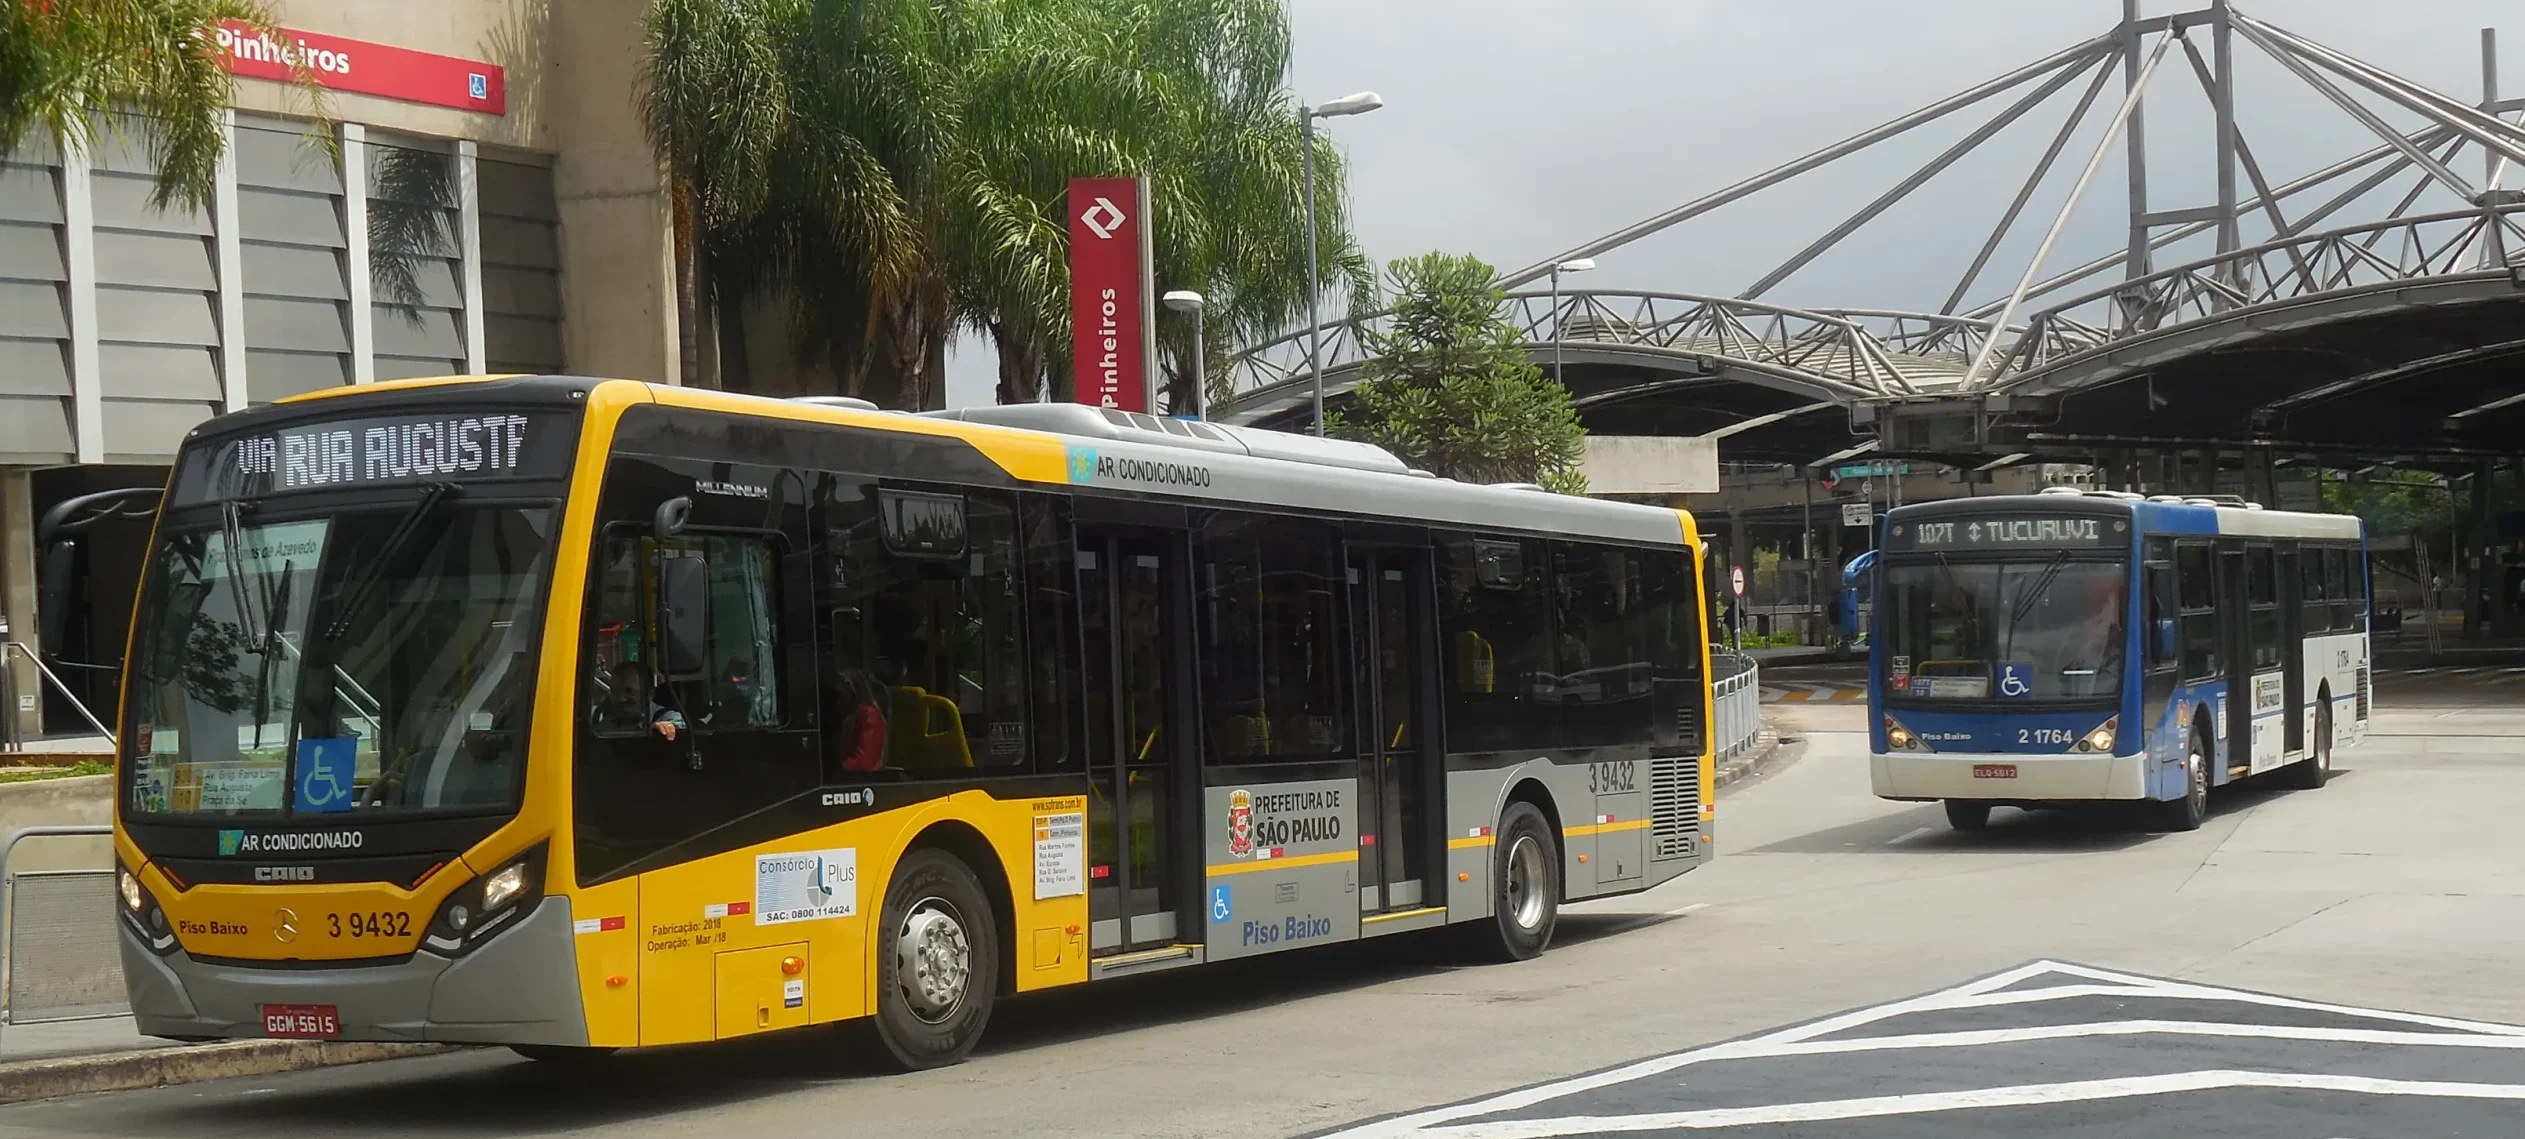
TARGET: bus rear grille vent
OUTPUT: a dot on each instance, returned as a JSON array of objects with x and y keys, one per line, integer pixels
[
  {"x": 1674, "y": 807},
  {"x": 1688, "y": 725},
  {"x": 2362, "y": 693}
]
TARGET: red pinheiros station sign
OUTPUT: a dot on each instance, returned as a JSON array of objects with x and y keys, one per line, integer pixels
[
  {"x": 1112, "y": 319},
  {"x": 363, "y": 68}
]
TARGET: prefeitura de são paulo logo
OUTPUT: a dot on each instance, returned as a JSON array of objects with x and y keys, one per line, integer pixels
[{"x": 1240, "y": 823}]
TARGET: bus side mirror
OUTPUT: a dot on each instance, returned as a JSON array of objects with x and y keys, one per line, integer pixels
[
  {"x": 684, "y": 615},
  {"x": 2166, "y": 643},
  {"x": 52, "y": 597},
  {"x": 672, "y": 516}
]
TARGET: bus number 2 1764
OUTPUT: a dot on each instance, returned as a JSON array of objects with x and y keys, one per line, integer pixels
[{"x": 2043, "y": 735}]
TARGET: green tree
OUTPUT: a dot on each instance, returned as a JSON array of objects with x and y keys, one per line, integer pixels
[
  {"x": 64, "y": 62},
  {"x": 1447, "y": 386},
  {"x": 896, "y": 170}
]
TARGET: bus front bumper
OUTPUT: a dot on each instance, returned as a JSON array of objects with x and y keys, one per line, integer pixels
[
  {"x": 2008, "y": 778},
  {"x": 520, "y": 987}
]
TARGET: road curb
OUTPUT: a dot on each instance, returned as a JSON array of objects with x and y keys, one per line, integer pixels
[
  {"x": 31, "y": 1080},
  {"x": 1766, "y": 747}
]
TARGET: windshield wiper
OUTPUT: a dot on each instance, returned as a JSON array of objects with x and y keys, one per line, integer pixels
[
  {"x": 231, "y": 540},
  {"x": 357, "y": 595},
  {"x": 2026, "y": 601}
]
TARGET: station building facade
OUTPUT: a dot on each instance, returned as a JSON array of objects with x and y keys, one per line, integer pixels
[{"x": 481, "y": 199}]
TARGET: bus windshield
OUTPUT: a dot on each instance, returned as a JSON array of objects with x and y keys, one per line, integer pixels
[
  {"x": 2038, "y": 629},
  {"x": 373, "y": 660}
]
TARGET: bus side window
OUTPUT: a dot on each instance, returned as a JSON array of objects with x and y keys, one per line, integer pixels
[
  {"x": 2316, "y": 597},
  {"x": 2162, "y": 635},
  {"x": 2199, "y": 600},
  {"x": 618, "y": 679},
  {"x": 2263, "y": 598}
]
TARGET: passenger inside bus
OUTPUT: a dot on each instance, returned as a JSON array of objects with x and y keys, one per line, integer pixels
[{"x": 862, "y": 738}]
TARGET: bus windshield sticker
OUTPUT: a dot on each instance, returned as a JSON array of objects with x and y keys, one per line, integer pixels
[
  {"x": 2016, "y": 680},
  {"x": 1060, "y": 855},
  {"x": 325, "y": 772},
  {"x": 455, "y": 447},
  {"x": 918, "y": 525},
  {"x": 2010, "y": 533},
  {"x": 805, "y": 886}
]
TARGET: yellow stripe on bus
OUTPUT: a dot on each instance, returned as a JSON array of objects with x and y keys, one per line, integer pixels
[
  {"x": 1605, "y": 828},
  {"x": 1285, "y": 863}
]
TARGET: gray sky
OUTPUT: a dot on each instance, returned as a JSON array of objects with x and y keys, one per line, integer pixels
[{"x": 1514, "y": 130}]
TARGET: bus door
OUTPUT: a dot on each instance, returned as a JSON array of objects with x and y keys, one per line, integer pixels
[
  {"x": 1389, "y": 589},
  {"x": 1132, "y": 615},
  {"x": 2236, "y": 649},
  {"x": 2292, "y": 650}
]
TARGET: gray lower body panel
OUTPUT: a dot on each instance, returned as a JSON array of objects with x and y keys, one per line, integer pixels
[{"x": 520, "y": 987}]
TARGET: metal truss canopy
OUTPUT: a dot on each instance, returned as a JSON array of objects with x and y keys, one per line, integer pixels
[{"x": 2319, "y": 261}]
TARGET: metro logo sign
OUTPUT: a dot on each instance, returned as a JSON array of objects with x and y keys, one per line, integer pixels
[
  {"x": 363, "y": 68},
  {"x": 1112, "y": 325}
]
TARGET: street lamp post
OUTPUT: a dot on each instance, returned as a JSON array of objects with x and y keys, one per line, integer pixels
[
  {"x": 1579, "y": 265},
  {"x": 1186, "y": 300},
  {"x": 1359, "y": 104}
]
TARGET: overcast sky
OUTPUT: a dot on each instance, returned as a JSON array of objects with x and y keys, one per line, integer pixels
[{"x": 1514, "y": 130}]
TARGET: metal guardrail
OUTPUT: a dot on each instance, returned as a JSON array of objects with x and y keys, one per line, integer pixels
[
  {"x": 1736, "y": 699},
  {"x": 58, "y": 957},
  {"x": 10, "y": 739}
]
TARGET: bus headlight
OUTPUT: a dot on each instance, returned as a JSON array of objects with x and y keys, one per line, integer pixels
[
  {"x": 140, "y": 908},
  {"x": 2101, "y": 739},
  {"x": 1900, "y": 738},
  {"x": 487, "y": 905}
]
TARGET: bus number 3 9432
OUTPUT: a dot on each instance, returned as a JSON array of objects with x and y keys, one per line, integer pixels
[{"x": 1611, "y": 778}]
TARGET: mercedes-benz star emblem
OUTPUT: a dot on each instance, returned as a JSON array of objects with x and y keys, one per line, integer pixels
[{"x": 285, "y": 925}]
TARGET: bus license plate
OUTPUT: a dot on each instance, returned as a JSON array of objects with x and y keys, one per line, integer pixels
[
  {"x": 302, "y": 1022},
  {"x": 1994, "y": 771}
]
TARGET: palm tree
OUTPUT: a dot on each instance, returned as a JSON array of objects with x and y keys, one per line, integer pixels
[
  {"x": 895, "y": 170},
  {"x": 65, "y": 62}
]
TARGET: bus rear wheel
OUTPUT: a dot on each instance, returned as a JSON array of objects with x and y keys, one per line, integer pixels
[
  {"x": 2312, "y": 772},
  {"x": 1966, "y": 815},
  {"x": 937, "y": 962},
  {"x": 1525, "y": 875}
]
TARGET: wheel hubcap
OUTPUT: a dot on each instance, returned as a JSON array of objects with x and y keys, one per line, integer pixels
[
  {"x": 933, "y": 959},
  {"x": 2195, "y": 772},
  {"x": 1526, "y": 874}
]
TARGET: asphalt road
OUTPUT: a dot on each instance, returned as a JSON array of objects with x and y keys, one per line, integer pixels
[{"x": 1853, "y": 962}]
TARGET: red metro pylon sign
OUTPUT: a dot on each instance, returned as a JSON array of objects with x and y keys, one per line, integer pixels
[{"x": 1112, "y": 316}]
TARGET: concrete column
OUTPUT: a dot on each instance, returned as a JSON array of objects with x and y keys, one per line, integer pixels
[
  {"x": 2476, "y": 575},
  {"x": 17, "y": 594},
  {"x": 617, "y": 246}
]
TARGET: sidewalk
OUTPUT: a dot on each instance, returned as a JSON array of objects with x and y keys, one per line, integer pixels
[
  {"x": 22, "y": 1042},
  {"x": 47, "y": 1061}
]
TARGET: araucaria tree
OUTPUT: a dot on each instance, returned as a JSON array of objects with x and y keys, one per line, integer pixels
[{"x": 1447, "y": 386}]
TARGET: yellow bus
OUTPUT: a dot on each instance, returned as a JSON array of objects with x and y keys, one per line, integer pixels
[{"x": 574, "y": 715}]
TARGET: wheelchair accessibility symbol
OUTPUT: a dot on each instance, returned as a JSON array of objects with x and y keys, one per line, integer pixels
[
  {"x": 2016, "y": 681},
  {"x": 1219, "y": 908},
  {"x": 325, "y": 770}
]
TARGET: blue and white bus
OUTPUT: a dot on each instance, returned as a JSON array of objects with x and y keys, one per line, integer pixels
[{"x": 2089, "y": 646}]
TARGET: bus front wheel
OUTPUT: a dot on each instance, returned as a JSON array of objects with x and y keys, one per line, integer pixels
[
  {"x": 937, "y": 962},
  {"x": 1525, "y": 875},
  {"x": 1966, "y": 815},
  {"x": 2190, "y": 811}
]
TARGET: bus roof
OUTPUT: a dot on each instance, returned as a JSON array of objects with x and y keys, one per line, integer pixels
[
  {"x": 2160, "y": 514},
  {"x": 1102, "y": 448}
]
